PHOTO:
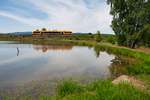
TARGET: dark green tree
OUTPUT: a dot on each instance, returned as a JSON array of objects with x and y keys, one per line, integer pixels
[
  {"x": 130, "y": 20},
  {"x": 89, "y": 33},
  {"x": 98, "y": 37}
]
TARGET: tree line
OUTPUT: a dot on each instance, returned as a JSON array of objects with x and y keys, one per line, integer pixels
[{"x": 131, "y": 21}]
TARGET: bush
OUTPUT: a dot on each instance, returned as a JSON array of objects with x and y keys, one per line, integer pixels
[
  {"x": 111, "y": 40},
  {"x": 90, "y": 33},
  {"x": 77, "y": 38}
]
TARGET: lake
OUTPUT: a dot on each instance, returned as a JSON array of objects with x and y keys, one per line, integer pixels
[{"x": 23, "y": 63}]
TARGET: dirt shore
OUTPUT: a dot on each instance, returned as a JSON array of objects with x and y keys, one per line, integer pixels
[{"x": 140, "y": 49}]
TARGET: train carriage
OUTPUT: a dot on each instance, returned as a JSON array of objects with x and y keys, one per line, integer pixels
[{"x": 52, "y": 33}]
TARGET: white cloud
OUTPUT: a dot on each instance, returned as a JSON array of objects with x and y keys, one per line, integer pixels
[
  {"x": 30, "y": 21},
  {"x": 73, "y": 15}
]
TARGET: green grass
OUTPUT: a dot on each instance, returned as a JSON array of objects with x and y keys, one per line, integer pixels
[
  {"x": 104, "y": 90},
  {"x": 68, "y": 87},
  {"x": 139, "y": 69},
  {"x": 98, "y": 90}
]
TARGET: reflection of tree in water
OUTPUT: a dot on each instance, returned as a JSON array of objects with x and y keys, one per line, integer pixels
[
  {"x": 45, "y": 48},
  {"x": 119, "y": 64},
  {"x": 97, "y": 51},
  {"x": 118, "y": 67}
]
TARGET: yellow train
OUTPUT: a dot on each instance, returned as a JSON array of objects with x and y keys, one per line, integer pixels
[{"x": 52, "y": 33}]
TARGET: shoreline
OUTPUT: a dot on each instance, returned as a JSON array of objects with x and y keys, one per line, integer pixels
[{"x": 34, "y": 40}]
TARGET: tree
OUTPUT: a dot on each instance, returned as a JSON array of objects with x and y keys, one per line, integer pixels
[
  {"x": 146, "y": 35},
  {"x": 43, "y": 29},
  {"x": 129, "y": 20},
  {"x": 98, "y": 37},
  {"x": 89, "y": 33}
]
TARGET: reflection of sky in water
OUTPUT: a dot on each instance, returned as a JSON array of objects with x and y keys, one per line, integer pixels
[{"x": 32, "y": 64}]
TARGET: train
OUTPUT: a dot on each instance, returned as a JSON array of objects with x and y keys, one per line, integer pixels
[{"x": 52, "y": 33}]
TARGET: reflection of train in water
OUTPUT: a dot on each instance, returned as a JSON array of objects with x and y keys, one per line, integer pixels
[
  {"x": 45, "y": 48},
  {"x": 52, "y": 33}
]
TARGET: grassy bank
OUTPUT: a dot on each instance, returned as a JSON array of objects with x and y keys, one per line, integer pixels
[{"x": 98, "y": 90}]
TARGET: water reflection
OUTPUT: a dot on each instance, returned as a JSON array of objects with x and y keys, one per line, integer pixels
[
  {"x": 118, "y": 67},
  {"x": 17, "y": 51},
  {"x": 97, "y": 51},
  {"x": 44, "y": 62},
  {"x": 55, "y": 47}
]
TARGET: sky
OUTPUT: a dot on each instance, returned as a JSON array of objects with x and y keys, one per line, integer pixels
[{"x": 74, "y": 15}]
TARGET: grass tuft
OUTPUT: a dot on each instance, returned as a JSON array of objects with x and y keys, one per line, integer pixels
[{"x": 67, "y": 87}]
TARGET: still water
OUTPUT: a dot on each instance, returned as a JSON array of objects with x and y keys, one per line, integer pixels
[{"x": 23, "y": 63}]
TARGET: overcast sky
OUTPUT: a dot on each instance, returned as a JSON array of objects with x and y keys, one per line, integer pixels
[{"x": 75, "y": 15}]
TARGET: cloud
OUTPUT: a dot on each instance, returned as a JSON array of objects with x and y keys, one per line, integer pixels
[
  {"x": 30, "y": 21},
  {"x": 76, "y": 15}
]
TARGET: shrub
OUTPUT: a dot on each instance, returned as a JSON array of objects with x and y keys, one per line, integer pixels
[
  {"x": 111, "y": 40},
  {"x": 77, "y": 38},
  {"x": 89, "y": 33}
]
